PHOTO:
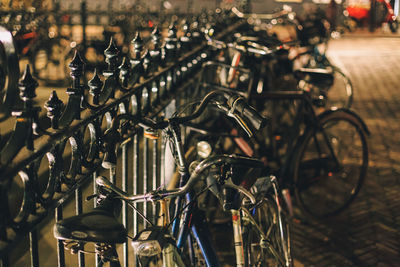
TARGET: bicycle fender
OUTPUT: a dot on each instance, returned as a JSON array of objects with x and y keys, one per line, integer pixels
[{"x": 348, "y": 111}]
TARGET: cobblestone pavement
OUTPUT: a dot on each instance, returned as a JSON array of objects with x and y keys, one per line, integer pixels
[{"x": 367, "y": 234}]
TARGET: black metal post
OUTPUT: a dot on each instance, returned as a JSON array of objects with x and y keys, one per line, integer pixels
[
  {"x": 155, "y": 174},
  {"x": 60, "y": 245},
  {"x": 34, "y": 250},
  {"x": 145, "y": 175},
  {"x": 124, "y": 206},
  {"x": 136, "y": 162},
  {"x": 372, "y": 16},
  {"x": 83, "y": 23},
  {"x": 78, "y": 211}
]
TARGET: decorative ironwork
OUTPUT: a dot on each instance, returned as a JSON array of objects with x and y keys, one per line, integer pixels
[{"x": 71, "y": 140}]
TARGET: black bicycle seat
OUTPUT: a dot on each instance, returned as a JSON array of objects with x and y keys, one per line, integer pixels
[
  {"x": 316, "y": 76},
  {"x": 97, "y": 226}
]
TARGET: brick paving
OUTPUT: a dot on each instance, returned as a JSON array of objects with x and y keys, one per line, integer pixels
[{"x": 367, "y": 234}]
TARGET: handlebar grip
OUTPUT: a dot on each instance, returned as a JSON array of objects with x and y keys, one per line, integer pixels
[
  {"x": 104, "y": 182},
  {"x": 239, "y": 104}
]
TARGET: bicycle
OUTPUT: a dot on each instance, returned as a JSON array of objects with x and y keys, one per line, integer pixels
[
  {"x": 305, "y": 56},
  {"x": 266, "y": 236},
  {"x": 305, "y": 149}
]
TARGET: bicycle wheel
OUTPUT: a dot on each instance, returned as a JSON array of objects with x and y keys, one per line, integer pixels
[
  {"x": 330, "y": 164},
  {"x": 266, "y": 241},
  {"x": 50, "y": 61}
]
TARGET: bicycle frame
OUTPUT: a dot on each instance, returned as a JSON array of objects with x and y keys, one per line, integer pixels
[
  {"x": 195, "y": 223},
  {"x": 304, "y": 114}
]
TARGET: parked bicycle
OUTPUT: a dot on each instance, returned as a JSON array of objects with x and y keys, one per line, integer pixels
[
  {"x": 321, "y": 158},
  {"x": 259, "y": 229},
  {"x": 305, "y": 54}
]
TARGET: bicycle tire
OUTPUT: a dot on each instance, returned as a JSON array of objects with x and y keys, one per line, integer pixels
[
  {"x": 259, "y": 252},
  {"x": 323, "y": 189},
  {"x": 49, "y": 60}
]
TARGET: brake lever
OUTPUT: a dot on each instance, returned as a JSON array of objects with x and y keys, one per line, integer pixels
[
  {"x": 242, "y": 123},
  {"x": 231, "y": 113}
]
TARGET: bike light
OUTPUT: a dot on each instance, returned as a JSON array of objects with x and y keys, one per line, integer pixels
[
  {"x": 203, "y": 149},
  {"x": 146, "y": 248},
  {"x": 150, "y": 241}
]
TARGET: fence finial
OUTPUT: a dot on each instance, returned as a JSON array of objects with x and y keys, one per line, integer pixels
[
  {"x": 138, "y": 45},
  {"x": 111, "y": 54},
  {"x": 76, "y": 66},
  {"x": 95, "y": 85},
  {"x": 124, "y": 71},
  {"x": 27, "y": 85},
  {"x": 54, "y": 106}
]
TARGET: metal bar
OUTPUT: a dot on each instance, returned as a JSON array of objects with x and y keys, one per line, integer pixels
[
  {"x": 4, "y": 261},
  {"x": 124, "y": 206},
  {"x": 112, "y": 175},
  {"x": 83, "y": 22},
  {"x": 202, "y": 234},
  {"x": 97, "y": 257},
  {"x": 34, "y": 250},
  {"x": 78, "y": 210},
  {"x": 372, "y": 16},
  {"x": 60, "y": 245},
  {"x": 154, "y": 176},
  {"x": 145, "y": 175},
  {"x": 135, "y": 179},
  {"x": 94, "y": 189},
  {"x": 162, "y": 163},
  {"x": 280, "y": 95}
]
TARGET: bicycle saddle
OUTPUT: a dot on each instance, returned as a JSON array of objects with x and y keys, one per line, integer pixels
[
  {"x": 316, "y": 76},
  {"x": 97, "y": 226},
  {"x": 268, "y": 41}
]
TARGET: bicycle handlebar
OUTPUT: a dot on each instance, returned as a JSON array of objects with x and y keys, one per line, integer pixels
[
  {"x": 246, "y": 46},
  {"x": 237, "y": 108},
  {"x": 194, "y": 177},
  {"x": 149, "y": 123},
  {"x": 239, "y": 104},
  {"x": 279, "y": 14}
]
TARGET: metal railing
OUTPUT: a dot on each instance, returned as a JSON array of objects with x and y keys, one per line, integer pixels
[{"x": 49, "y": 160}]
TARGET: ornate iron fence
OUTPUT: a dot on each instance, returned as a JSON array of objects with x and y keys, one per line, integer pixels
[{"x": 49, "y": 160}]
